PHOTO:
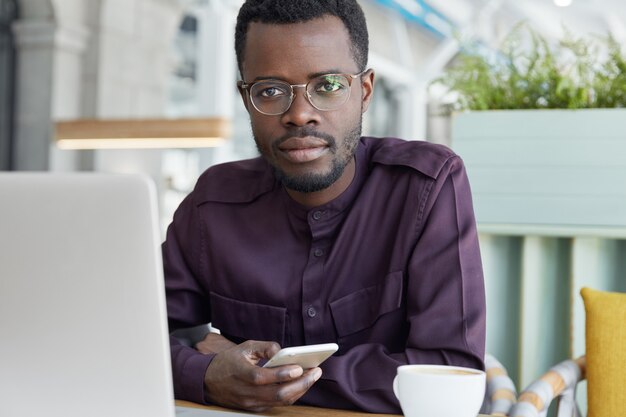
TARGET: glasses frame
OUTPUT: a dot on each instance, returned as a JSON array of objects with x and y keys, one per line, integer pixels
[{"x": 349, "y": 77}]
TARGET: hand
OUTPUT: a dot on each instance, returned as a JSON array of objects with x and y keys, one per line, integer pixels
[
  {"x": 233, "y": 379},
  {"x": 213, "y": 343}
]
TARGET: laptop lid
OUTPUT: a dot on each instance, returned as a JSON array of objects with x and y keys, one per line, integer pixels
[{"x": 83, "y": 328}]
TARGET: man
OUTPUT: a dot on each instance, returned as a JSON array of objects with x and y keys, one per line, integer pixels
[{"x": 328, "y": 237}]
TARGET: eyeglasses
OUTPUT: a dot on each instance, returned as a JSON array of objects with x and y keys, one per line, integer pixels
[{"x": 326, "y": 92}]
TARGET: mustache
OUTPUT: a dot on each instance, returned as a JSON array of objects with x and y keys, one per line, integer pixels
[{"x": 303, "y": 132}]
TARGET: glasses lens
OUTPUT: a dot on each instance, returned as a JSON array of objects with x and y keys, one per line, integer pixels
[
  {"x": 329, "y": 92},
  {"x": 271, "y": 97}
]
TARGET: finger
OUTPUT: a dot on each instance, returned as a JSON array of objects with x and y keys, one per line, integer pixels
[
  {"x": 259, "y": 398},
  {"x": 288, "y": 393},
  {"x": 286, "y": 373},
  {"x": 256, "y": 375}
]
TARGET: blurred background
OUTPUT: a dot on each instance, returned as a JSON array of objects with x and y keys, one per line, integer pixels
[{"x": 145, "y": 62}]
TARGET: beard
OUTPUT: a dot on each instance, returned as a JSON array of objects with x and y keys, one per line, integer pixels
[{"x": 312, "y": 182}]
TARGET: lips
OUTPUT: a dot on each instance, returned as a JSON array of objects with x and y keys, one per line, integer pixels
[{"x": 301, "y": 150}]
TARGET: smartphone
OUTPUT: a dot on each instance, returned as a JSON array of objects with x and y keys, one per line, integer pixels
[{"x": 307, "y": 357}]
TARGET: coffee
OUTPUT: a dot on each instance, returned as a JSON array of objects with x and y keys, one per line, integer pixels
[{"x": 443, "y": 371}]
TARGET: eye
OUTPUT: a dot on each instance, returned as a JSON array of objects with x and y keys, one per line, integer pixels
[
  {"x": 270, "y": 91},
  {"x": 330, "y": 84}
]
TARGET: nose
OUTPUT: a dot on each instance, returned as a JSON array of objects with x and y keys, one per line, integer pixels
[{"x": 301, "y": 112}]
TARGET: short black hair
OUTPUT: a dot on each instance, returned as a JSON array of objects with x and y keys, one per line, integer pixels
[{"x": 297, "y": 11}]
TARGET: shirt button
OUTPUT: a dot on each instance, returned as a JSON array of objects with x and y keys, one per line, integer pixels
[
  {"x": 311, "y": 312},
  {"x": 318, "y": 252},
  {"x": 317, "y": 215}
]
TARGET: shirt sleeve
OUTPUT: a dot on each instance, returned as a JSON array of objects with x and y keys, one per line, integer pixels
[
  {"x": 445, "y": 305},
  {"x": 187, "y": 306}
]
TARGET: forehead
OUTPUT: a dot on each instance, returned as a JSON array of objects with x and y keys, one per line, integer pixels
[{"x": 297, "y": 50}]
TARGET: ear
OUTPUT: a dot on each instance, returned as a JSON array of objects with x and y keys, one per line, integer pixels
[
  {"x": 244, "y": 95},
  {"x": 367, "y": 86}
]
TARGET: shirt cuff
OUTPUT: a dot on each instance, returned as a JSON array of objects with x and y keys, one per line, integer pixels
[{"x": 189, "y": 377}]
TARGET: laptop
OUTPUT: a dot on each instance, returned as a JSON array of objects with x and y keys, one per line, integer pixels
[{"x": 83, "y": 328}]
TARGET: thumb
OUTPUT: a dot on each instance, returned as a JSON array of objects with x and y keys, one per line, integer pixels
[{"x": 255, "y": 350}]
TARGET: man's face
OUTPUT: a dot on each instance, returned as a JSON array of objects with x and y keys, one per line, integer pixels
[{"x": 307, "y": 147}]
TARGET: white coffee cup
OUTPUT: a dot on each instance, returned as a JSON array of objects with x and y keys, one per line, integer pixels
[{"x": 439, "y": 390}]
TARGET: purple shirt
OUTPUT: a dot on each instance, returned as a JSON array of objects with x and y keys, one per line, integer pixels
[{"x": 390, "y": 270}]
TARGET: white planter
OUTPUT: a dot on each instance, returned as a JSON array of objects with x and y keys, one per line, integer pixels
[{"x": 546, "y": 169}]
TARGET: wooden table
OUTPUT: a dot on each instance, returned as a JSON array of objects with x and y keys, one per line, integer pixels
[{"x": 298, "y": 411}]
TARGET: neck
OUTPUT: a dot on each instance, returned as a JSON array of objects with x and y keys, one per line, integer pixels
[{"x": 326, "y": 195}]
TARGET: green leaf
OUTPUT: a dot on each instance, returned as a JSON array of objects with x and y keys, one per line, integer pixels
[{"x": 528, "y": 72}]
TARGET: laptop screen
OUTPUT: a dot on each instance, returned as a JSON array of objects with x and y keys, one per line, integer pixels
[{"x": 82, "y": 308}]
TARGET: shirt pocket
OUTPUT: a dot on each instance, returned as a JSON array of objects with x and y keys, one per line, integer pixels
[
  {"x": 361, "y": 309},
  {"x": 241, "y": 321}
]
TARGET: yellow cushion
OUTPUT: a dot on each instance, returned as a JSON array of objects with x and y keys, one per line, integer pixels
[{"x": 606, "y": 352}]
